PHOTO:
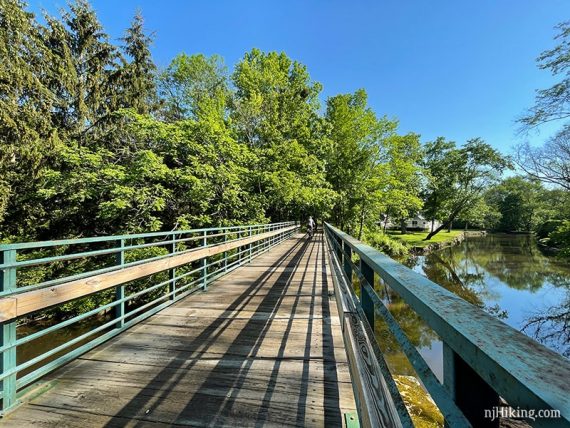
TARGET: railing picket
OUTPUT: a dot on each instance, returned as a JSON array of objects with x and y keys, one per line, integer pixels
[
  {"x": 205, "y": 263},
  {"x": 172, "y": 272},
  {"x": 250, "y": 245},
  {"x": 225, "y": 252},
  {"x": 120, "y": 290},
  {"x": 8, "y": 335},
  {"x": 367, "y": 302},
  {"x": 471, "y": 393},
  {"x": 347, "y": 257}
]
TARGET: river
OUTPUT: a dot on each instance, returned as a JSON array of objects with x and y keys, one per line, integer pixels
[{"x": 506, "y": 275}]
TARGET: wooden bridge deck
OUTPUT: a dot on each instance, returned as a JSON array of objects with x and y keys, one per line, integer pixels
[{"x": 262, "y": 347}]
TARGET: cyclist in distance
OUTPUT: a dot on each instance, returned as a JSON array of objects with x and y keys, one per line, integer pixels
[{"x": 311, "y": 227}]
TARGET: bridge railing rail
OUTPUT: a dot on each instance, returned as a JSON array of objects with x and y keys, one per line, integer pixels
[
  {"x": 483, "y": 358},
  {"x": 104, "y": 285}
]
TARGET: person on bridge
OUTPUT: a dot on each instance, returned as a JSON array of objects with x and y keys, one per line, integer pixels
[{"x": 311, "y": 227}]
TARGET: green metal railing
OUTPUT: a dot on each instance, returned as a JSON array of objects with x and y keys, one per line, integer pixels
[
  {"x": 121, "y": 279},
  {"x": 484, "y": 359}
]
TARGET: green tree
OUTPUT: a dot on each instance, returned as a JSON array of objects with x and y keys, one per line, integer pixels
[
  {"x": 189, "y": 83},
  {"x": 372, "y": 169},
  {"x": 458, "y": 177},
  {"x": 275, "y": 101},
  {"x": 353, "y": 161},
  {"x": 87, "y": 72},
  {"x": 401, "y": 194},
  {"x": 275, "y": 112},
  {"x": 519, "y": 203},
  {"x": 553, "y": 104},
  {"x": 138, "y": 76},
  {"x": 27, "y": 138},
  {"x": 481, "y": 214}
]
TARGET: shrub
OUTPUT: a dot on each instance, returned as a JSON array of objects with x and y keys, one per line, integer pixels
[
  {"x": 546, "y": 228},
  {"x": 560, "y": 238},
  {"x": 385, "y": 244}
]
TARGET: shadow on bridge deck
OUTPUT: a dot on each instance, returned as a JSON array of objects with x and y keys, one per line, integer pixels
[{"x": 262, "y": 347}]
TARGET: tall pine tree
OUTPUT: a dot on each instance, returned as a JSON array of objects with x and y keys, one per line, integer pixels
[
  {"x": 26, "y": 135},
  {"x": 86, "y": 63},
  {"x": 138, "y": 75}
]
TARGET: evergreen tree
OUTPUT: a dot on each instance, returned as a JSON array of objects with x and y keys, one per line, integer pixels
[
  {"x": 138, "y": 76},
  {"x": 86, "y": 63},
  {"x": 26, "y": 135}
]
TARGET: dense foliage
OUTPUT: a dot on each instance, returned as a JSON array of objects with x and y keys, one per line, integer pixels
[{"x": 94, "y": 139}]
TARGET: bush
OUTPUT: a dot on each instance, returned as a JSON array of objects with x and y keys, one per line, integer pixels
[
  {"x": 385, "y": 244},
  {"x": 546, "y": 228},
  {"x": 560, "y": 238}
]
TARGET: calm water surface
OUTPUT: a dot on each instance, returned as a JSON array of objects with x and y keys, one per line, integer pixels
[{"x": 506, "y": 275}]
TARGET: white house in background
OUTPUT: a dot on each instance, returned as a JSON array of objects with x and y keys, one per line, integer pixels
[{"x": 418, "y": 223}]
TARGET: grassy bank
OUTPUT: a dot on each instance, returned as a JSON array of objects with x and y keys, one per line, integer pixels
[{"x": 416, "y": 239}]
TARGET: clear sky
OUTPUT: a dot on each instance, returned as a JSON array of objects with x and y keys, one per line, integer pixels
[{"x": 458, "y": 69}]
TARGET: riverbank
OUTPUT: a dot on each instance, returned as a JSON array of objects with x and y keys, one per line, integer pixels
[{"x": 416, "y": 244}]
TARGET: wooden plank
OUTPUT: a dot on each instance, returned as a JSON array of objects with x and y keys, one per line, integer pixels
[{"x": 35, "y": 300}]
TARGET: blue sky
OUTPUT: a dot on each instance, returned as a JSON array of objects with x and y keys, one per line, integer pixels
[{"x": 458, "y": 69}]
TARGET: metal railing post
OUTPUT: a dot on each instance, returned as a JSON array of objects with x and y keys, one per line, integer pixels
[
  {"x": 225, "y": 252},
  {"x": 365, "y": 299},
  {"x": 238, "y": 249},
  {"x": 205, "y": 263},
  {"x": 8, "y": 335},
  {"x": 120, "y": 290},
  {"x": 250, "y": 245},
  {"x": 338, "y": 248},
  {"x": 466, "y": 388},
  {"x": 347, "y": 257},
  {"x": 172, "y": 272}
]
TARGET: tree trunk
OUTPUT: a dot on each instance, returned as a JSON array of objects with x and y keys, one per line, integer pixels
[
  {"x": 436, "y": 231},
  {"x": 449, "y": 227},
  {"x": 403, "y": 227},
  {"x": 447, "y": 223},
  {"x": 466, "y": 224},
  {"x": 432, "y": 224},
  {"x": 361, "y": 224}
]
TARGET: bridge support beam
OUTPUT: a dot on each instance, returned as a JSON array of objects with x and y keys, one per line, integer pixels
[
  {"x": 471, "y": 393},
  {"x": 8, "y": 336}
]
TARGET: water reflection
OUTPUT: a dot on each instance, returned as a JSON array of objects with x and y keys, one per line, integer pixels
[{"x": 506, "y": 275}]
